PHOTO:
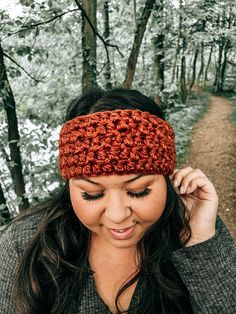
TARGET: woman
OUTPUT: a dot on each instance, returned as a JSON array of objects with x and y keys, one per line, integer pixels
[{"x": 128, "y": 233}]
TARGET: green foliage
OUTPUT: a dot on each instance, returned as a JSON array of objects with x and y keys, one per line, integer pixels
[{"x": 38, "y": 146}]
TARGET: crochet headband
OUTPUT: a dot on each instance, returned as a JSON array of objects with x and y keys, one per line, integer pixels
[{"x": 116, "y": 142}]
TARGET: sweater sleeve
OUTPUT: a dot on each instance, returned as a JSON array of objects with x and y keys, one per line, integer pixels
[
  {"x": 208, "y": 270},
  {"x": 8, "y": 264}
]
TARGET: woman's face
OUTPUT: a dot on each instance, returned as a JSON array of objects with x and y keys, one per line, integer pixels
[{"x": 118, "y": 209}]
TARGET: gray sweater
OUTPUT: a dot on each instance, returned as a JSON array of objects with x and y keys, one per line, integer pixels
[{"x": 207, "y": 269}]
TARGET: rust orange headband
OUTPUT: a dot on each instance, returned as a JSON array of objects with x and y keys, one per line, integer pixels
[{"x": 116, "y": 142}]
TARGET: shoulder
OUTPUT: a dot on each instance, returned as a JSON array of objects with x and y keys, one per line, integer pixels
[{"x": 19, "y": 232}]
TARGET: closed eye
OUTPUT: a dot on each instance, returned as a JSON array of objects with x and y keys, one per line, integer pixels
[{"x": 88, "y": 197}]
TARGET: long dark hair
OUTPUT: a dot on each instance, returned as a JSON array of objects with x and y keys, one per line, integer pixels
[{"x": 53, "y": 268}]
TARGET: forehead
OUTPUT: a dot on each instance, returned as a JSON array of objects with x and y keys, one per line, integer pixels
[{"x": 117, "y": 180}]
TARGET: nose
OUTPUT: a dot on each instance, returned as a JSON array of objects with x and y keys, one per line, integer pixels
[{"x": 117, "y": 209}]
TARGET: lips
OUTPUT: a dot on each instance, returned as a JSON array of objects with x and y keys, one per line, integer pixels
[{"x": 122, "y": 234}]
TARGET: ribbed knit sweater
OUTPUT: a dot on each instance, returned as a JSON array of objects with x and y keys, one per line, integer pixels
[{"x": 208, "y": 270}]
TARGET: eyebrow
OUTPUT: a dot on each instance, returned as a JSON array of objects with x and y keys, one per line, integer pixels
[{"x": 131, "y": 180}]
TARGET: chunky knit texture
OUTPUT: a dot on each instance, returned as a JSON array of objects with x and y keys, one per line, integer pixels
[{"x": 116, "y": 142}]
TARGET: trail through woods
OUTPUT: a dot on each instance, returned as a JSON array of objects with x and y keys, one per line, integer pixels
[{"x": 213, "y": 150}]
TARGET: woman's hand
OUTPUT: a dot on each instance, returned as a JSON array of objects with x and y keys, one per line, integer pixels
[{"x": 200, "y": 198}]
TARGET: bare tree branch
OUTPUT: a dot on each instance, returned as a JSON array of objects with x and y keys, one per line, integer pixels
[
  {"x": 12, "y": 60},
  {"x": 105, "y": 43},
  {"x": 27, "y": 27}
]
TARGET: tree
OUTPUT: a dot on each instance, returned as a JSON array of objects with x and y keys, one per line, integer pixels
[
  {"x": 159, "y": 55},
  {"x": 207, "y": 65},
  {"x": 194, "y": 69},
  {"x": 107, "y": 73},
  {"x": 89, "y": 73},
  {"x": 13, "y": 135},
  {"x": 141, "y": 26},
  {"x": 182, "y": 81}
]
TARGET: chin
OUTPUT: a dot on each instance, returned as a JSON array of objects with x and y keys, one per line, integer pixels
[{"x": 128, "y": 243}]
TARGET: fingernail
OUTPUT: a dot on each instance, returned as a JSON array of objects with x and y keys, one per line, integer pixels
[
  {"x": 181, "y": 190},
  {"x": 175, "y": 183}
]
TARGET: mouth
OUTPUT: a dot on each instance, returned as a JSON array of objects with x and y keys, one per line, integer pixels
[{"x": 122, "y": 234}]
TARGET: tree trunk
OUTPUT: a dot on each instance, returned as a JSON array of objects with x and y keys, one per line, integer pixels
[
  {"x": 13, "y": 135},
  {"x": 218, "y": 68},
  {"x": 134, "y": 15},
  {"x": 183, "y": 92},
  {"x": 207, "y": 66},
  {"x": 89, "y": 74},
  {"x": 226, "y": 49},
  {"x": 201, "y": 66},
  {"x": 189, "y": 69},
  {"x": 178, "y": 49},
  {"x": 107, "y": 73},
  {"x": 141, "y": 26},
  {"x": 224, "y": 64},
  {"x": 182, "y": 83},
  {"x": 194, "y": 69},
  {"x": 158, "y": 65},
  {"x": 5, "y": 215}
]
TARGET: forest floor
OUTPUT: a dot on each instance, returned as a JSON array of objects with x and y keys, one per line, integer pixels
[{"x": 213, "y": 150}]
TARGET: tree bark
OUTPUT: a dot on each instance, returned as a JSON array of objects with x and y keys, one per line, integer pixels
[
  {"x": 224, "y": 65},
  {"x": 226, "y": 49},
  {"x": 189, "y": 69},
  {"x": 134, "y": 15},
  {"x": 183, "y": 92},
  {"x": 5, "y": 215},
  {"x": 13, "y": 135},
  {"x": 202, "y": 65},
  {"x": 218, "y": 68},
  {"x": 107, "y": 73},
  {"x": 158, "y": 65},
  {"x": 194, "y": 69},
  {"x": 89, "y": 68},
  {"x": 182, "y": 83},
  {"x": 207, "y": 66},
  {"x": 178, "y": 49},
  {"x": 141, "y": 26}
]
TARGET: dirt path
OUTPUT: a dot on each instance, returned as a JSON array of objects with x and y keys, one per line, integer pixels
[{"x": 213, "y": 150}]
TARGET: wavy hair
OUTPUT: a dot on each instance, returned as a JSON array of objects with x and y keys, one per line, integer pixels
[{"x": 53, "y": 268}]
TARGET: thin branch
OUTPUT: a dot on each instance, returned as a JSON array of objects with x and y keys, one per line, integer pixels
[
  {"x": 12, "y": 60},
  {"x": 105, "y": 43},
  {"x": 102, "y": 68},
  {"x": 42, "y": 23}
]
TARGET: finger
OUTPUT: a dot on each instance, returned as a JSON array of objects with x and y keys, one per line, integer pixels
[
  {"x": 189, "y": 177},
  {"x": 179, "y": 174},
  {"x": 202, "y": 184},
  {"x": 171, "y": 176}
]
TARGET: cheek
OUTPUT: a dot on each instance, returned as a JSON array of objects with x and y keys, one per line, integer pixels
[
  {"x": 152, "y": 209},
  {"x": 86, "y": 214}
]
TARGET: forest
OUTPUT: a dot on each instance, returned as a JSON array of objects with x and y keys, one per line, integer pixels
[{"x": 52, "y": 51}]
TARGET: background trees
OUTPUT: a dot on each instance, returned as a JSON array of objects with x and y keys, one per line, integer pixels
[{"x": 51, "y": 51}]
